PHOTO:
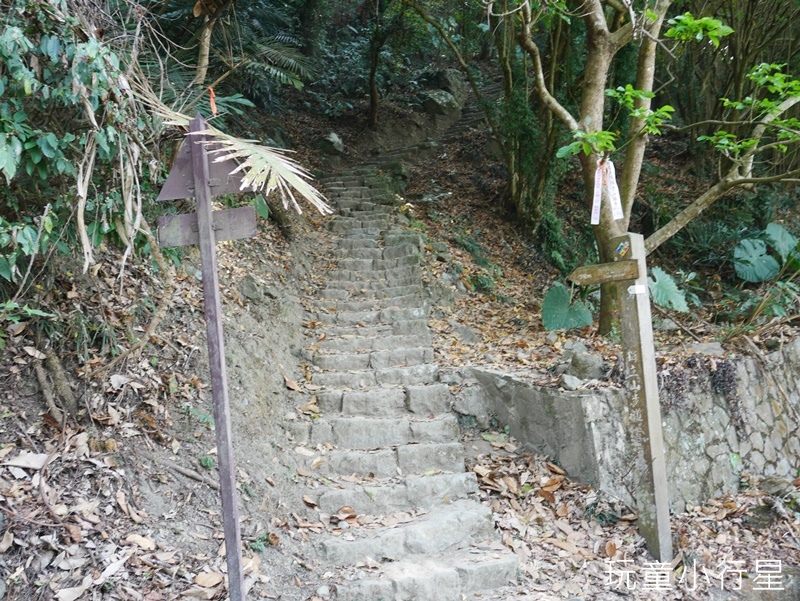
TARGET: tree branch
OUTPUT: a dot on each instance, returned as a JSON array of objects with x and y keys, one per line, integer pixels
[{"x": 526, "y": 43}]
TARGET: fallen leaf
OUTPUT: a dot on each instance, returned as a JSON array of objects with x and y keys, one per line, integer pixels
[
  {"x": 8, "y": 540},
  {"x": 198, "y": 592},
  {"x": 29, "y": 461},
  {"x": 34, "y": 352},
  {"x": 208, "y": 579},
  {"x": 611, "y": 549},
  {"x": 292, "y": 385},
  {"x": 309, "y": 501},
  {"x": 71, "y": 594},
  {"x": 148, "y": 544}
]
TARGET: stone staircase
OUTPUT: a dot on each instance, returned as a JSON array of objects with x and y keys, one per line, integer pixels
[
  {"x": 472, "y": 117},
  {"x": 395, "y": 458}
]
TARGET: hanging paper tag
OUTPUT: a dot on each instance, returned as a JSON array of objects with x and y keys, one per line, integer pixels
[
  {"x": 598, "y": 193},
  {"x": 606, "y": 177},
  {"x": 613, "y": 190}
]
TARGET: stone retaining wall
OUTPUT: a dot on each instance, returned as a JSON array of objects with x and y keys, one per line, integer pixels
[{"x": 722, "y": 419}]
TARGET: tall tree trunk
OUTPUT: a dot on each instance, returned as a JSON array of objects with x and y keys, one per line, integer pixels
[{"x": 204, "y": 51}]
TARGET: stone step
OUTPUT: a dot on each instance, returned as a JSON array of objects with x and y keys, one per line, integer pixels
[
  {"x": 356, "y": 280},
  {"x": 399, "y": 328},
  {"x": 444, "y": 528},
  {"x": 382, "y": 316},
  {"x": 358, "y": 243},
  {"x": 356, "y": 344},
  {"x": 358, "y": 305},
  {"x": 384, "y": 402},
  {"x": 398, "y": 276},
  {"x": 396, "y": 357},
  {"x": 395, "y": 296},
  {"x": 344, "y": 225},
  {"x": 421, "y": 492},
  {"x": 365, "y": 433},
  {"x": 359, "y": 253},
  {"x": 380, "y": 265},
  {"x": 422, "y": 458},
  {"x": 452, "y": 577}
]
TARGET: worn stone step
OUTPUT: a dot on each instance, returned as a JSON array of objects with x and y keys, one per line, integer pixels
[
  {"x": 396, "y": 357},
  {"x": 360, "y": 344},
  {"x": 358, "y": 243},
  {"x": 359, "y": 293},
  {"x": 448, "y": 527},
  {"x": 420, "y": 400},
  {"x": 398, "y": 328},
  {"x": 356, "y": 281},
  {"x": 380, "y": 402},
  {"x": 420, "y": 492},
  {"x": 357, "y": 432},
  {"x": 350, "y": 305},
  {"x": 371, "y": 317},
  {"x": 359, "y": 253},
  {"x": 343, "y": 224},
  {"x": 378, "y": 265},
  {"x": 452, "y": 577},
  {"x": 427, "y": 373},
  {"x": 329, "y": 310},
  {"x": 404, "y": 460},
  {"x": 400, "y": 250}
]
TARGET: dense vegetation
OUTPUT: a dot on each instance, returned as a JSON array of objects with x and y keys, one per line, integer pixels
[{"x": 90, "y": 95}]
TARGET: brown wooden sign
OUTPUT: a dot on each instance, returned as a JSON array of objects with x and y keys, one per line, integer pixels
[
  {"x": 643, "y": 411},
  {"x": 192, "y": 176},
  {"x": 231, "y": 224},
  {"x": 605, "y": 272}
]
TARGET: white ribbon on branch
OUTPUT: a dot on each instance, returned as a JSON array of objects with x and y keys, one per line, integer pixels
[{"x": 606, "y": 177}]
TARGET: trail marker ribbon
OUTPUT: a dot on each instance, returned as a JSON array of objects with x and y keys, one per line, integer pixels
[{"x": 605, "y": 177}]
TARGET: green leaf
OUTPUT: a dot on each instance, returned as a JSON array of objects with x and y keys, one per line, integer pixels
[
  {"x": 559, "y": 314},
  {"x": 782, "y": 240},
  {"x": 261, "y": 206},
  {"x": 5, "y": 269},
  {"x": 665, "y": 291},
  {"x": 752, "y": 262}
]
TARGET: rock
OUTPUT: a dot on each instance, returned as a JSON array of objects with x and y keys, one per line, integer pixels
[
  {"x": 324, "y": 591},
  {"x": 571, "y": 382},
  {"x": 772, "y": 344},
  {"x": 331, "y": 144},
  {"x": 586, "y": 366},
  {"x": 439, "y": 102},
  {"x": 250, "y": 290},
  {"x": 759, "y": 517},
  {"x": 713, "y": 349},
  {"x": 449, "y": 80},
  {"x": 466, "y": 334},
  {"x": 552, "y": 338},
  {"x": 775, "y": 486},
  {"x": 560, "y": 368},
  {"x": 271, "y": 292},
  {"x": 489, "y": 358},
  {"x": 667, "y": 325}
]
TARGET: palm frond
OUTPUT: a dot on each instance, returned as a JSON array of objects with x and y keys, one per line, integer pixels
[{"x": 263, "y": 168}]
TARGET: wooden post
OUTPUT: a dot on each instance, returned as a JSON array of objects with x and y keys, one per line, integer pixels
[
  {"x": 216, "y": 361},
  {"x": 642, "y": 406},
  {"x": 193, "y": 176},
  {"x": 644, "y": 411}
]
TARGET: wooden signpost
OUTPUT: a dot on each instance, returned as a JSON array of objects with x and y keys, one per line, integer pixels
[
  {"x": 643, "y": 409},
  {"x": 193, "y": 175}
]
